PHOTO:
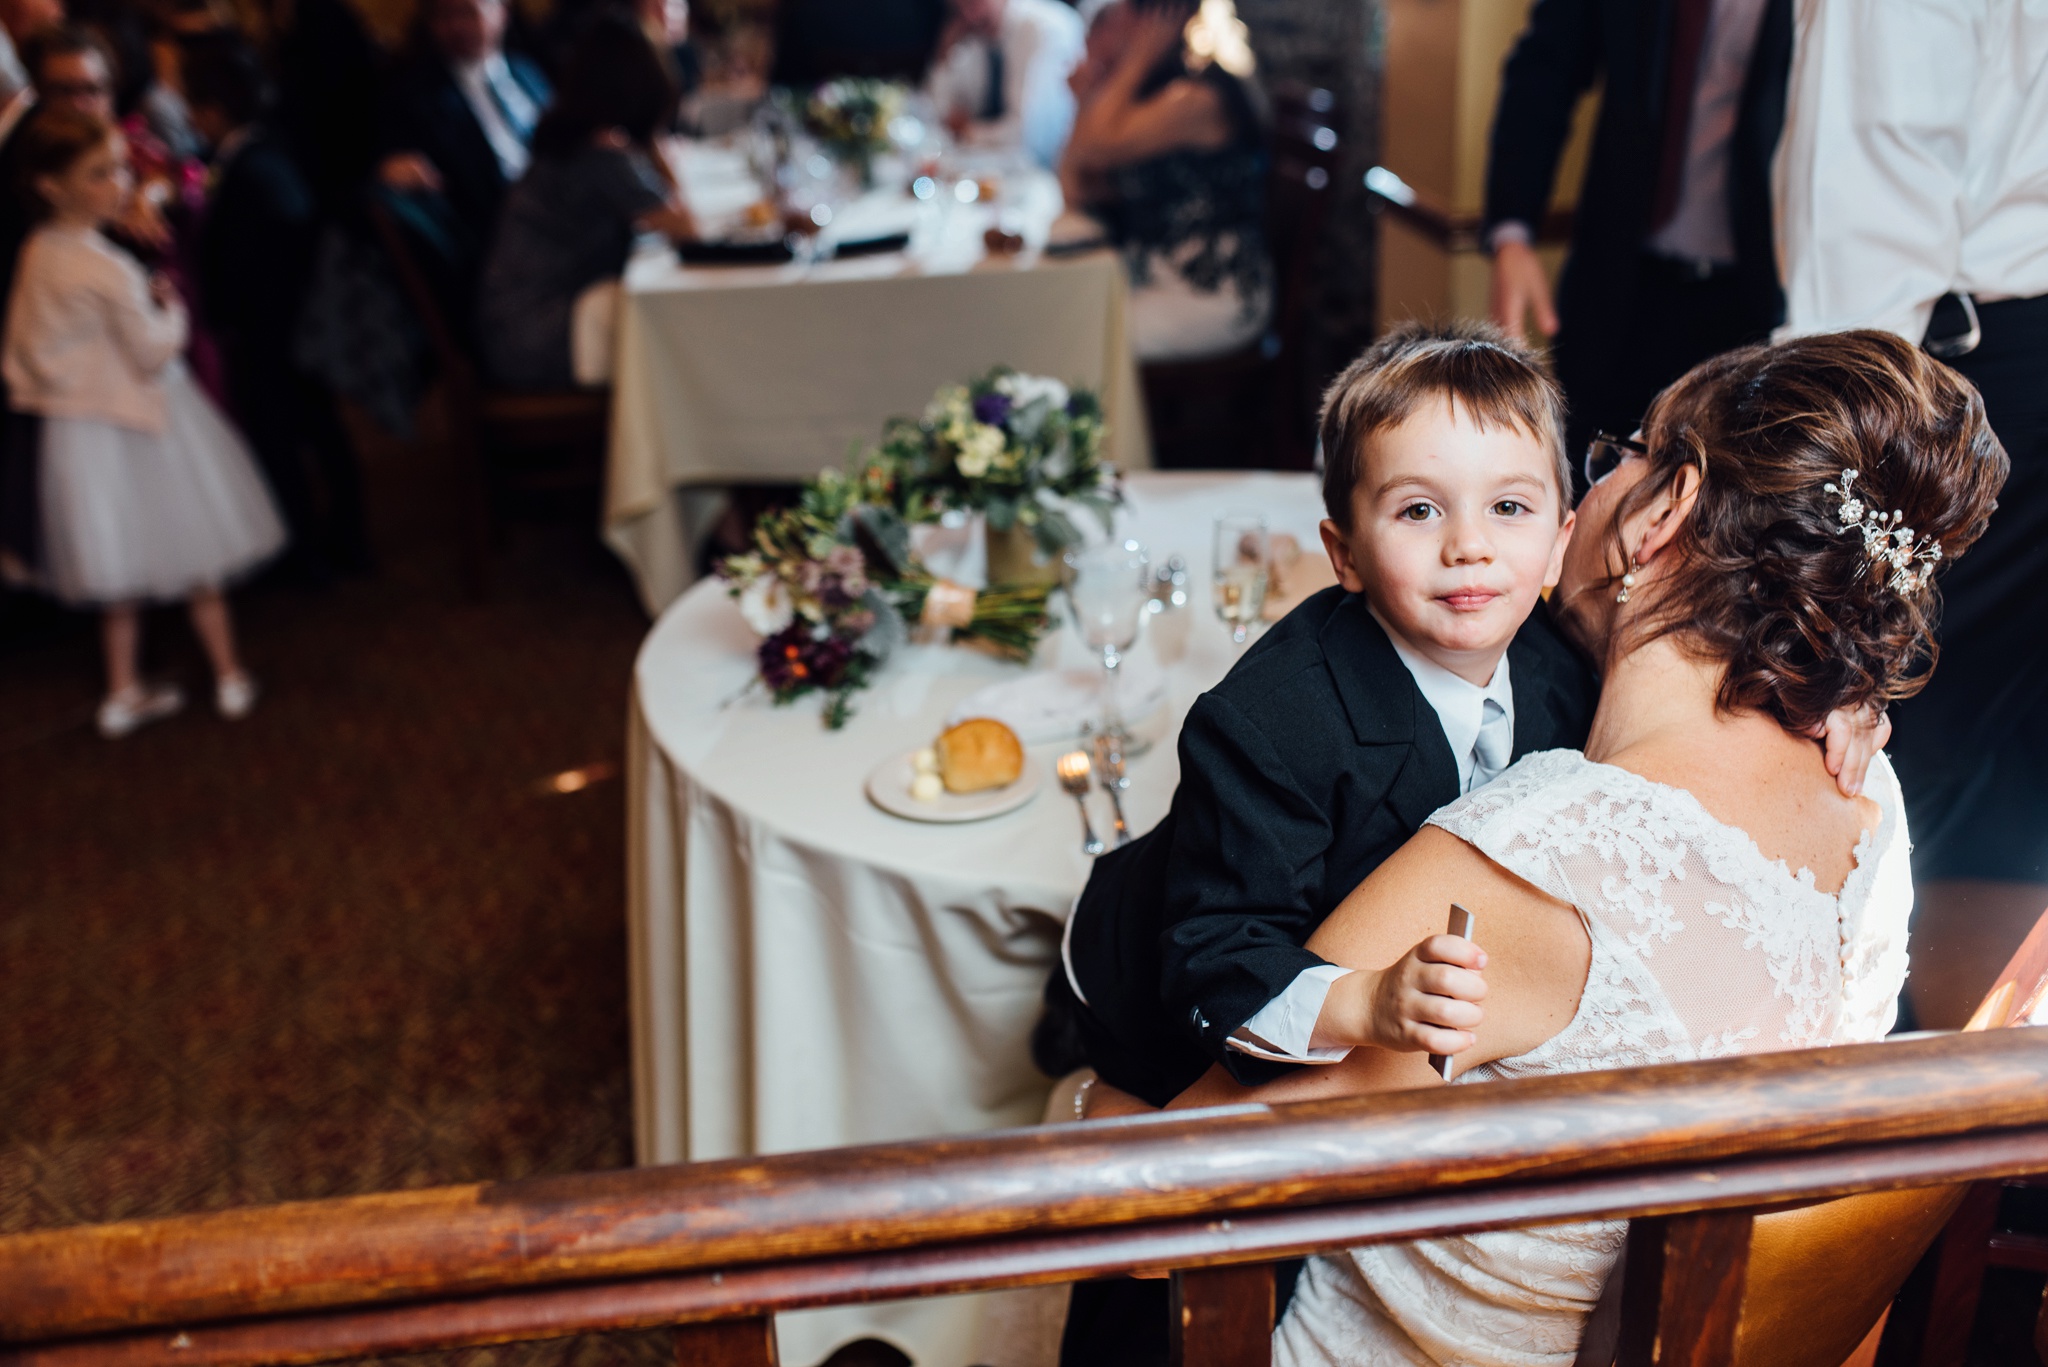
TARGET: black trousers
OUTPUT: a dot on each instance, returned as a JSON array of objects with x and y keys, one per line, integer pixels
[
  {"x": 1679, "y": 318},
  {"x": 1069, "y": 1036},
  {"x": 1972, "y": 749}
]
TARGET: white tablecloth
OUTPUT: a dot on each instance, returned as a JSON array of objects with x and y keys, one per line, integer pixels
[
  {"x": 731, "y": 374},
  {"x": 808, "y": 971}
]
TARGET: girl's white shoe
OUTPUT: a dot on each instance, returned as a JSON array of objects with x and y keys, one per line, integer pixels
[
  {"x": 134, "y": 708},
  {"x": 235, "y": 696}
]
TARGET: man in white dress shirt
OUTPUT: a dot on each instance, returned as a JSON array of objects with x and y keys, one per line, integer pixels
[
  {"x": 999, "y": 77},
  {"x": 1912, "y": 192}
]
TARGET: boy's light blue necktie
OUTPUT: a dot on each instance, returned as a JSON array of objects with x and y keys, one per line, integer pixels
[{"x": 1495, "y": 746}]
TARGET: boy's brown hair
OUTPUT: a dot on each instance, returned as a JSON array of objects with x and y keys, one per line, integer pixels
[{"x": 1497, "y": 382}]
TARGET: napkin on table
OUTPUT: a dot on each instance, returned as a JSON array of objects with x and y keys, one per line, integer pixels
[{"x": 1052, "y": 705}]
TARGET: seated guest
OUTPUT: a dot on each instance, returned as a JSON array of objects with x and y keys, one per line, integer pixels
[
  {"x": 999, "y": 77},
  {"x": 72, "y": 68},
  {"x": 1694, "y": 885},
  {"x": 596, "y": 181},
  {"x": 459, "y": 117},
  {"x": 256, "y": 257},
  {"x": 21, "y": 20},
  {"x": 1169, "y": 154},
  {"x": 667, "y": 23},
  {"x": 668, "y": 27}
]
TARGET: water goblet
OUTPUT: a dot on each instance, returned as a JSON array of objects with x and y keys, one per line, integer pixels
[
  {"x": 1107, "y": 590},
  {"x": 1243, "y": 570}
]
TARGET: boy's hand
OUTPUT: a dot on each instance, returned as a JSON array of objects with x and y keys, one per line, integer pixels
[
  {"x": 1852, "y": 740},
  {"x": 1427, "y": 1002}
]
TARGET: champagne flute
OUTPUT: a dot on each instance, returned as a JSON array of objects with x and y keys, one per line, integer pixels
[
  {"x": 1107, "y": 590},
  {"x": 1243, "y": 569}
]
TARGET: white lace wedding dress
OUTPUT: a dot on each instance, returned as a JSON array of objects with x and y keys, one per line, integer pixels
[{"x": 1702, "y": 948}]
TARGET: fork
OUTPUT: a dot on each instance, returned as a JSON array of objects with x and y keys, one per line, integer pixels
[
  {"x": 1109, "y": 758},
  {"x": 1073, "y": 769}
]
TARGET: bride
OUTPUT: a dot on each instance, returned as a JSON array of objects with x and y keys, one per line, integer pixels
[{"x": 1693, "y": 885}]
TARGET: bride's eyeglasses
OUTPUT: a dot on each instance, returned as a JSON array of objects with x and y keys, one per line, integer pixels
[{"x": 1606, "y": 452}]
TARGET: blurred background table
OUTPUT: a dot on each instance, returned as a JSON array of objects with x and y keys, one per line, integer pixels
[
  {"x": 808, "y": 971},
  {"x": 743, "y": 374}
]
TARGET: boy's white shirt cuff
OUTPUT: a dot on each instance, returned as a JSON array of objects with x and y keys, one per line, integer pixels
[{"x": 1283, "y": 1027}]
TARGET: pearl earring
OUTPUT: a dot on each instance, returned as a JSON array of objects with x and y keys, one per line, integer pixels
[{"x": 1628, "y": 581}]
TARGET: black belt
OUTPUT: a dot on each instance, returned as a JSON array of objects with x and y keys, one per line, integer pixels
[
  {"x": 1687, "y": 270},
  {"x": 1958, "y": 324}
]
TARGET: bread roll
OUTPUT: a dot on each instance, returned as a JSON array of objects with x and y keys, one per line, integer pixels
[{"x": 978, "y": 754}]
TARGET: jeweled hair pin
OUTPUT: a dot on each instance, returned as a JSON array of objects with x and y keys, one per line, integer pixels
[{"x": 1910, "y": 562}]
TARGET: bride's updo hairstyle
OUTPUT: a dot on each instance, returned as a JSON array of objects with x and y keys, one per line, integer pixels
[{"x": 1766, "y": 575}]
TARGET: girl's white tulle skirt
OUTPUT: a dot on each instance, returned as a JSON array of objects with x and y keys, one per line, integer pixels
[{"x": 134, "y": 516}]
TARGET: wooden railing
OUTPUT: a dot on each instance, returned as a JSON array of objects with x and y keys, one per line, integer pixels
[{"x": 715, "y": 1249}]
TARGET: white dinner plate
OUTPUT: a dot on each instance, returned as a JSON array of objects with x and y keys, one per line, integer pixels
[{"x": 889, "y": 789}]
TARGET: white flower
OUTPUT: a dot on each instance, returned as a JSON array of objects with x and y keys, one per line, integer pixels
[
  {"x": 766, "y": 606},
  {"x": 1027, "y": 389},
  {"x": 948, "y": 406},
  {"x": 980, "y": 450}
]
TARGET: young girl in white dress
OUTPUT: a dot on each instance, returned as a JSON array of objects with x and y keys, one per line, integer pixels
[{"x": 147, "y": 494}]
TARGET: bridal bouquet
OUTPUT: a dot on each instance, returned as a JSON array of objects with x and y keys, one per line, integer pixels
[
  {"x": 831, "y": 584},
  {"x": 851, "y": 117}
]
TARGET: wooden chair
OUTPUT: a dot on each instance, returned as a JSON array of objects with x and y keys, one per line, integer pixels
[
  {"x": 1819, "y": 1277},
  {"x": 498, "y": 438},
  {"x": 1930, "y": 1323},
  {"x": 1247, "y": 407}
]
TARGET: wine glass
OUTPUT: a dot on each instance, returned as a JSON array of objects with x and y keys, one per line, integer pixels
[
  {"x": 1107, "y": 590},
  {"x": 1243, "y": 568}
]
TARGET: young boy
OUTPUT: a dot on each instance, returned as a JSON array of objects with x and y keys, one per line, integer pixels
[{"x": 1429, "y": 668}]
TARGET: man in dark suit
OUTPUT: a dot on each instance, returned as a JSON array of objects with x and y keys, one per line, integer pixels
[
  {"x": 460, "y": 114},
  {"x": 1671, "y": 258},
  {"x": 256, "y": 251}
]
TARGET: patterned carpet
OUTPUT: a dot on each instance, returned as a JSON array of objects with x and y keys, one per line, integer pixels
[{"x": 344, "y": 946}]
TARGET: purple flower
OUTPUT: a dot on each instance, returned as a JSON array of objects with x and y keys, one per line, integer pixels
[
  {"x": 796, "y": 659},
  {"x": 992, "y": 408}
]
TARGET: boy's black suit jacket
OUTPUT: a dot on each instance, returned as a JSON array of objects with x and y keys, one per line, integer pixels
[{"x": 1314, "y": 759}]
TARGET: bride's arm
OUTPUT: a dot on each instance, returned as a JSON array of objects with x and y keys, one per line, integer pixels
[{"x": 1537, "y": 956}]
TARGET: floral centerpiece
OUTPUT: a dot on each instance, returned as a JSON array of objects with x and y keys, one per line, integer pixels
[
  {"x": 1017, "y": 449},
  {"x": 851, "y": 117},
  {"x": 831, "y": 584}
]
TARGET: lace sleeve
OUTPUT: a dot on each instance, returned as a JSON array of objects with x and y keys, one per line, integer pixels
[{"x": 1506, "y": 820}]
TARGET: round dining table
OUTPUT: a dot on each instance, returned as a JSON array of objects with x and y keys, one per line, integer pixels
[{"x": 809, "y": 971}]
